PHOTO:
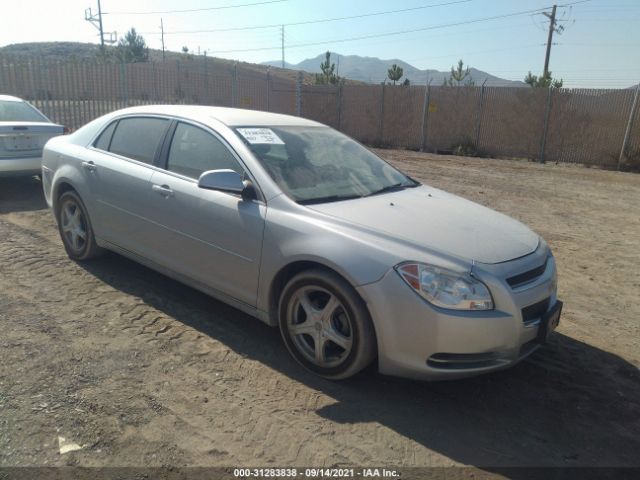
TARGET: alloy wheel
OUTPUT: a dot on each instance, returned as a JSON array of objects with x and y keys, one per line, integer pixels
[
  {"x": 73, "y": 226},
  {"x": 319, "y": 326}
]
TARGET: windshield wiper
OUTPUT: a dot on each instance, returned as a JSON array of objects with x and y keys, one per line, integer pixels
[
  {"x": 327, "y": 199},
  {"x": 392, "y": 188}
]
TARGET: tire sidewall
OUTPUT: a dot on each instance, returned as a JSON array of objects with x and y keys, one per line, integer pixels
[
  {"x": 86, "y": 250},
  {"x": 354, "y": 308}
]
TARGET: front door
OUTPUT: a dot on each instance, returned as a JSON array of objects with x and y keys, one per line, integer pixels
[{"x": 209, "y": 236}]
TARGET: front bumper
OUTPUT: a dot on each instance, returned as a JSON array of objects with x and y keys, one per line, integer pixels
[
  {"x": 420, "y": 341},
  {"x": 20, "y": 166}
]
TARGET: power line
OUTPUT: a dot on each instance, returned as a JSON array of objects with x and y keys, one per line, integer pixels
[
  {"x": 309, "y": 22},
  {"x": 387, "y": 34},
  {"x": 224, "y": 7},
  {"x": 493, "y": 50}
]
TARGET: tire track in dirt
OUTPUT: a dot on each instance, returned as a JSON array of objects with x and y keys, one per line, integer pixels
[
  {"x": 218, "y": 388},
  {"x": 262, "y": 411}
]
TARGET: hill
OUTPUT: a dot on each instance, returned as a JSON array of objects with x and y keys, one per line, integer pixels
[
  {"x": 76, "y": 51},
  {"x": 374, "y": 70}
]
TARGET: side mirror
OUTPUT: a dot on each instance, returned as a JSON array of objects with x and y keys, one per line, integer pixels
[{"x": 227, "y": 181}]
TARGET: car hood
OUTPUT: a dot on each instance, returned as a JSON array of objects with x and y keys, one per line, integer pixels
[{"x": 437, "y": 220}]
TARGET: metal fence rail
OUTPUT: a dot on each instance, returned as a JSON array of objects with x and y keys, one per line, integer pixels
[{"x": 593, "y": 127}]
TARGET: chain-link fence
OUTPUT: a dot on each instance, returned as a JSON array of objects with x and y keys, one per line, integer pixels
[{"x": 593, "y": 127}]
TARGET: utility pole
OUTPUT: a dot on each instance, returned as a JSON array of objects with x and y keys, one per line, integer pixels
[
  {"x": 162, "y": 37},
  {"x": 101, "y": 29},
  {"x": 282, "y": 37},
  {"x": 552, "y": 28},
  {"x": 96, "y": 21}
]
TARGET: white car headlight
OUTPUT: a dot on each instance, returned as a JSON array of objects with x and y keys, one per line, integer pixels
[{"x": 444, "y": 288}]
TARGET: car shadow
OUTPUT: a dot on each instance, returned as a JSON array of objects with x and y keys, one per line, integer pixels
[
  {"x": 569, "y": 404},
  {"x": 21, "y": 194}
]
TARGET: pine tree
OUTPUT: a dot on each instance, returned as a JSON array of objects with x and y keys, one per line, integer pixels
[
  {"x": 395, "y": 73},
  {"x": 458, "y": 76},
  {"x": 132, "y": 48},
  {"x": 327, "y": 77},
  {"x": 543, "y": 81}
]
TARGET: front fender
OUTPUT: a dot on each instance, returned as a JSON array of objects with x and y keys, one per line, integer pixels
[
  {"x": 294, "y": 233},
  {"x": 290, "y": 238}
]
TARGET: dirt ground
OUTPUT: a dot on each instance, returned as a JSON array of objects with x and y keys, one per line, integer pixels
[{"x": 138, "y": 370}]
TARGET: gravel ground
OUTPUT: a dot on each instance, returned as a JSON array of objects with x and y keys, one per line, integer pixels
[{"x": 138, "y": 370}]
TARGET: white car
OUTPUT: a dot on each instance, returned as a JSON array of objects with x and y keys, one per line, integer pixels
[{"x": 23, "y": 132}]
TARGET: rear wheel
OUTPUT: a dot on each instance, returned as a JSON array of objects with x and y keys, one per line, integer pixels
[
  {"x": 326, "y": 325},
  {"x": 75, "y": 227}
]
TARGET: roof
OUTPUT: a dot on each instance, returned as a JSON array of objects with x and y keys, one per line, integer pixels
[
  {"x": 9, "y": 98},
  {"x": 229, "y": 116}
]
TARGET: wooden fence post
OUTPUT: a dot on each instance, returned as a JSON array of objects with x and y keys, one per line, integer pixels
[
  {"x": 479, "y": 121},
  {"x": 123, "y": 83},
  {"x": 299, "y": 94},
  {"x": 234, "y": 85},
  {"x": 545, "y": 128},
  {"x": 627, "y": 132},
  {"x": 268, "y": 89},
  {"x": 425, "y": 115},
  {"x": 381, "y": 132},
  {"x": 339, "y": 108}
]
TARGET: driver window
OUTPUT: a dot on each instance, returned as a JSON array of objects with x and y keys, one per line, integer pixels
[{"x": 194, "y": 151}]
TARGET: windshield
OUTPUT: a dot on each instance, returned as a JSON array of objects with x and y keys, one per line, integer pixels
[
  {"x": 319, "y": 164},
  {"x": 12, "y": 111}
]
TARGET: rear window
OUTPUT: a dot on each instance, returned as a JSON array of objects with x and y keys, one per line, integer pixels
[
  {"x": 12, "y": 111},
  {"x": 138, "y": 138},
  {"x": 105, "y": 137}
]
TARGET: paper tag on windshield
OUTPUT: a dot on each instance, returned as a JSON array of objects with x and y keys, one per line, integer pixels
[{"x": 264, "y": 136}]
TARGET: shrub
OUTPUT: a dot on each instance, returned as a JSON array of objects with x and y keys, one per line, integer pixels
[{"x": 466, "y": 148}]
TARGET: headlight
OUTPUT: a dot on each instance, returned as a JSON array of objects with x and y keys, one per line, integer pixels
[{"x": 444, "y": 288}]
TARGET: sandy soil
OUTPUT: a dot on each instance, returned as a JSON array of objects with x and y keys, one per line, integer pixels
[{"x": 139, "y": 370}]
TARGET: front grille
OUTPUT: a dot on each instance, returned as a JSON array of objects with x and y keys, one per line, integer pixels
[
  {"x": 526, "y": 277},
  {"x": 535, "y": 311}
]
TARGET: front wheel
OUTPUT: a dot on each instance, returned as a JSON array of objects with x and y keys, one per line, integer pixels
[
  {"x": 75, "y": 227},
  {"x": 326, "y": 325}
]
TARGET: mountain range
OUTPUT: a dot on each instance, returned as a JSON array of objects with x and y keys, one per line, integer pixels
[{"x": 374, "y": 70}]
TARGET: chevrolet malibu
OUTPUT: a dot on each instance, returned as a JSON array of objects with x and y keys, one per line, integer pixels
[{"x": 298, "y": 225}]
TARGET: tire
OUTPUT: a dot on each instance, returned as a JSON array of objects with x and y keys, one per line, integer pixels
[
  {"x": 75, "y": 228},
  {"x": 318, "y": 307}
]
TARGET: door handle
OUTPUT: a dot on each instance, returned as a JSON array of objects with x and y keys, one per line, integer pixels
[
  {"x": 164, "y": 190},
  {"x": 89, "y": 166}
]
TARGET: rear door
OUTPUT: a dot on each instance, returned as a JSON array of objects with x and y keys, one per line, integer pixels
[
  {"x": 209, "y": 236},
  {"x": 118, "y": 173}
]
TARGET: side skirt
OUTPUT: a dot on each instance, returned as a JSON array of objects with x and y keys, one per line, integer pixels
[{"x": 246, "y": 308}]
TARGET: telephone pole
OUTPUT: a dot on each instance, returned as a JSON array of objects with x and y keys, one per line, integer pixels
[
  {"x": 96, "y": 21},
  {"x": 552, "y": 28},
  {"x": 282, "y": 37},
  {"x": 101, "y": 29},
  {"x": 162, "y": 37}
]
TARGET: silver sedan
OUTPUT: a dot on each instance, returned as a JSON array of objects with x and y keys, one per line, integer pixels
[
  {"x": 305, "y": 229},
  {"x": 23, "y": 132}
]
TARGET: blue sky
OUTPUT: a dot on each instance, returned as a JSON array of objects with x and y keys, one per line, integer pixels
[{"x": 600, "y": 46}]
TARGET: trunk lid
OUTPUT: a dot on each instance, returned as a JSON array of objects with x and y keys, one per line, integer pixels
[{"x": 26, "y": 139}]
